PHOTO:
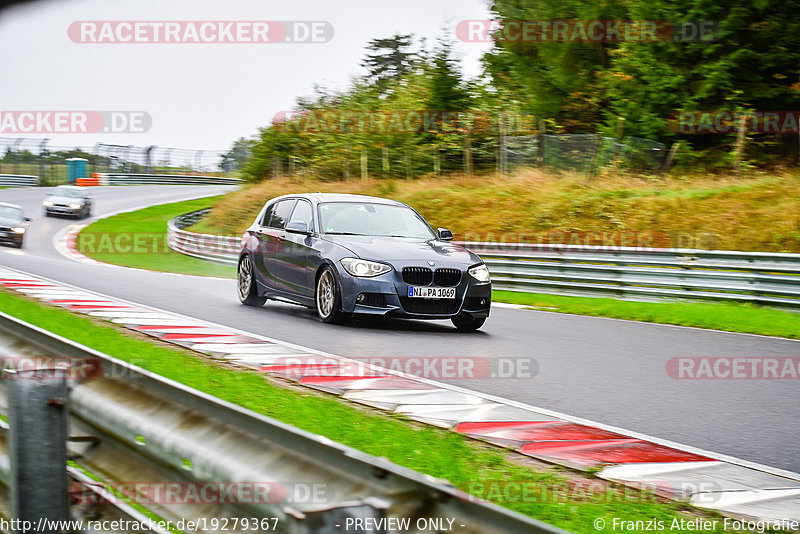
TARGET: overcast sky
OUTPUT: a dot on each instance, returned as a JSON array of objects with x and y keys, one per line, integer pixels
[{"x": 199, "y": 95}]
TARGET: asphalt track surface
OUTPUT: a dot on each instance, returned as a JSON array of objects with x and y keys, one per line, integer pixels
[{"x": 609, "y": 371}]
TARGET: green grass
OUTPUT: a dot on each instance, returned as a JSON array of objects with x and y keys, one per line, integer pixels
[
  {"x": 718, "y": 316},
  {"x": 423, "y": 448},
  {"x": 114, "y": 240}
]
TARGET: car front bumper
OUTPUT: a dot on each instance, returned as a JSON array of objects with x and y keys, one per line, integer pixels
[
  {"x": 386, "y": 295},
  {"x": 62, "y": 210},
  {"x": 9, "y": 236}
]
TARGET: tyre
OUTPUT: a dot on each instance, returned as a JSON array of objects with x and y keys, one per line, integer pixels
[
  {"x": 248, "y": 294},
  {"x": 466, "y": 323},
  {"x": 328, "y": 297}
]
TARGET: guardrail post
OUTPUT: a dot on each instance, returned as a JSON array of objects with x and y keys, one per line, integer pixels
[{"x": 38, "y": 446}]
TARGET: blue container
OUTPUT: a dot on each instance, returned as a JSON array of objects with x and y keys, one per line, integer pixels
[{"x": 76, "y": 168}]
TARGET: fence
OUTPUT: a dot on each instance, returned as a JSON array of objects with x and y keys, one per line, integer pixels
[
  {"x": 163, "y": 179},
  {"x": 18, "y": 180},
  {"x": 583, "y": 153},
  {"x": 622, "y": 272},
  {"x": 128, "y": 421},
  {"x": 408, "y": 158},
  {"x": 39, "y": 157},
  {"x": 216, "y": 248}
]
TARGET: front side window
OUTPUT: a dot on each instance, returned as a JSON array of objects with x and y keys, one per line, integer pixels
[{"x": 303, "y": 213}]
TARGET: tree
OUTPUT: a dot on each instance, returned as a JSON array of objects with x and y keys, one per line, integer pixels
[
  {"x": 447, "y": 90},
  {"x": 749, "y": 61},
  {"x": 557, "y": 79},
  {"x": 237, "y": 157},
  {"x": 388, "y": 60}
]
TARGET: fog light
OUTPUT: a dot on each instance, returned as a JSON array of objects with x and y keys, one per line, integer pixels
[
  {"x": 483, "y": 302},
  {"x": 361, "y": 298}
]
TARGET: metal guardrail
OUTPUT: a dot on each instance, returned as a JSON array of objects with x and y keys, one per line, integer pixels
[
  {"x": 763, "y": 278},
  {"x": 216, "y": 248},
  {"x": 145, "y": 179},
  {"x": 18, "y": 180},
  {"x": 127, "y": 422}
]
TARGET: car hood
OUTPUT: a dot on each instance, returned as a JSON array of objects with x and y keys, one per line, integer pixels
[
  {"x": 57, "y": 199},
  {"x": 403, "y": 249},
  {"x": 10, "y": 222}
]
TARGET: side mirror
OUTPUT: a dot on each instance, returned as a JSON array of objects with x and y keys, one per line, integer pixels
[
  {"x": 298, "y": 227},
  {"x": 444, "y": 234},
  {"x": 26, "y": 219}
]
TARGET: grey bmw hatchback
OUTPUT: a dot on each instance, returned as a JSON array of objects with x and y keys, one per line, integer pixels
[{"x": 345, "y": 255}]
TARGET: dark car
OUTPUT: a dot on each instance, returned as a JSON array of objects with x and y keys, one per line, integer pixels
[
  {"x": 351, "y": 254},
  {"x": 68, "y": 200},
  {"x": 13, "y": 224}
]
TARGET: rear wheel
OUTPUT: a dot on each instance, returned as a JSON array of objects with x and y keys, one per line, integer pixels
[
  {"x": 467, "y": 323},
  {"x": 328, "y": 297},
  {"x": 248, "y": 294}
]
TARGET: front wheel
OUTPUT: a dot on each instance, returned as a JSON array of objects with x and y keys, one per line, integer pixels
[
  {"x": 467, "y": 323},
  {"x": 248, "y": 295},
  {"x": 328, "y": 297}
]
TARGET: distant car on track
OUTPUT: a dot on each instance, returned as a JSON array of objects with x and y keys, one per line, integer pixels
[
  {"x": 350, "y": 254},
  {"x": 13, "y": 224},
  {"x": 68, "y": 200}
]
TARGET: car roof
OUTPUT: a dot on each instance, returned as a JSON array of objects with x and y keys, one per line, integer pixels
[{"x": 344, "y": 197}]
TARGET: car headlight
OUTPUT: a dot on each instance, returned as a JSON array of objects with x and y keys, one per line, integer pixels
[
  {"x": 74, "y": 206},
  {"x": 19, "y": 230},
  {"x": 364, "y": 268},
  {"x": 47, "y": 203},
  {"x": 480, "y": 273}
]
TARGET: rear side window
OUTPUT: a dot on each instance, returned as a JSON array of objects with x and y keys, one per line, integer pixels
[
  {"x": 281, "y": 214},
  {"x": 264, "y": 221}
]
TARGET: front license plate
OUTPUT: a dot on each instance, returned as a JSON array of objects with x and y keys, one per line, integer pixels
[{"x": 432, "y": 292}]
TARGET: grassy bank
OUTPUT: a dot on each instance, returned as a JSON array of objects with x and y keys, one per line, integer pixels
[
  {"x": 466, "y": 463},
  {"x": 756, "y": 213},
  {"x": 717, "y": 316},
  {"x": 139, "y": 239}
]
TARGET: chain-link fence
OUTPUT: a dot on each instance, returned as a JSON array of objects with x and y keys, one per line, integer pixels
[
  {"x": 38, "y": 157},
  {"x": 583, "y": 153},
  {"x": 580, "y": 153}
]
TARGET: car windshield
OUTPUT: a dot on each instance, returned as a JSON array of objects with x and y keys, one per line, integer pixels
[
  {"x": 10, "y": 212},
  {"x": 372, "y": 219},
  {"x": 67, "y": 192}
]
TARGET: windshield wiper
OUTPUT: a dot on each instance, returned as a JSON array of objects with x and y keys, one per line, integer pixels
[{"x": 342, "y": 233}]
